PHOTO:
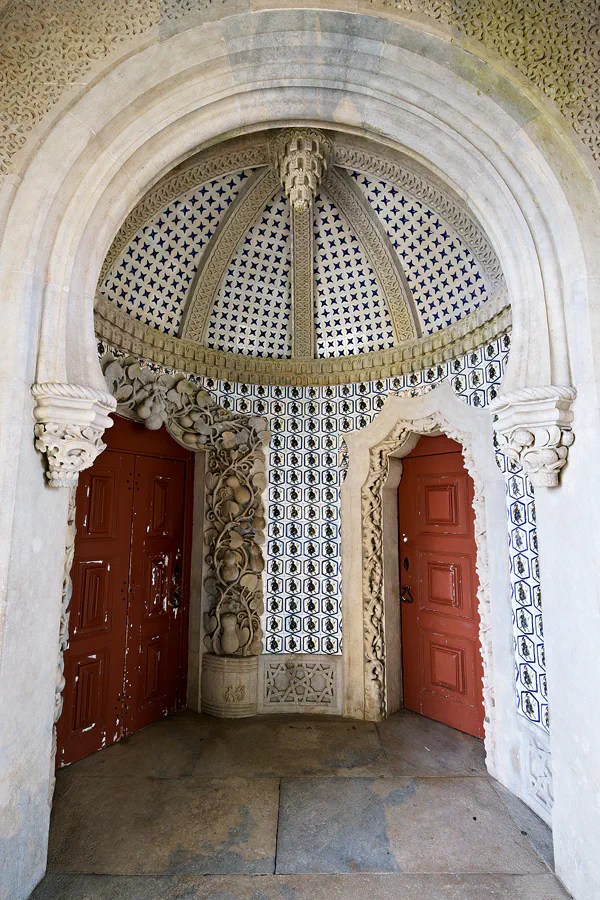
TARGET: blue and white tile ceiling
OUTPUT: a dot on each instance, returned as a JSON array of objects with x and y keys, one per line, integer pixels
[
  {"x": 252, "y": 313},
  {"x": 441, "y": 271},
  {"x": 151, "y": 279},
  {"x": 350, "y": 316}
]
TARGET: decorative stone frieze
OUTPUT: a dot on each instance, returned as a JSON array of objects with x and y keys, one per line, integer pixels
[
  {"x": 70, "y": 421},
  {"x": 235, "y": 481},
  {"x": 300, "y": 158},
  {"x": 123, "y": 331},
  {"x": 534, "y": 429}
]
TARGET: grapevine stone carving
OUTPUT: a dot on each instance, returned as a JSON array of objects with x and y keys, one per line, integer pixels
[
  {"x": 373, "y": 569},
  {"x": 235, "y": 481}
]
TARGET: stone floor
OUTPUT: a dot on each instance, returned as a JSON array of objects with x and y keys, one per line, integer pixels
[{"x": 293, "y": 808}]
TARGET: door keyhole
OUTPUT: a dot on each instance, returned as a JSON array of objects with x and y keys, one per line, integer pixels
[{"x": 406, "y": 564}]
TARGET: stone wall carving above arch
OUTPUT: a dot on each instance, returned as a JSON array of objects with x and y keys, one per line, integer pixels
[{"x": 552, "y": 45}]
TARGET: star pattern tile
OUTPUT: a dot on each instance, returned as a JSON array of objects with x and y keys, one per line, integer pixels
[
  {"x": 441, "y": 271},
  {"x": 151, "y": 279},
  {"x": 351, "y": 316},
  {"x": 252, "y": 312}
]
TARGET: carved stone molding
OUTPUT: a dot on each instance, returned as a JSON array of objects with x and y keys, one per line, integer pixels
[
  {"x": 303, "y": 283},
  {"x": 122, "y": 331},
  {"x": 300, "y": 158},
  {"x": 373, "y": 567},
  {"x": 70, "y": 421},
  {"x": 214, "y": 264},
  {"x": 63, "y": 633},
  {"x": 386, "y": 265},
  {"x": 534, "y": 429},
  {"x": 235, "y": 481}
]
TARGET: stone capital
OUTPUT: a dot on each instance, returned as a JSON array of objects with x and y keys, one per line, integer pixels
[
  {"x": 534, "y": 429},
  {"x": 70, "y": 421}
]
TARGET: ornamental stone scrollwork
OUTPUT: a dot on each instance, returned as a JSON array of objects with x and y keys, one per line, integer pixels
[
  {"x": 235, "y": 481},
  {"x": 70, "y": 422},
  {"x": 534, "y": 429},
  {"x": 373, "y": 567}
]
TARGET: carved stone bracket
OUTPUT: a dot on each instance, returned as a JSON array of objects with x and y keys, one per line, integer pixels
[
  {"x": 534, "y": 429},
  {"x": 300, "y": 158},
  {"x": 235, "y": 481},
  {"x": 70, "y": 422}
]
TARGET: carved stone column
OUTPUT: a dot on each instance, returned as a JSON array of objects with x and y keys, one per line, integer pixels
[
  {"x": 300, "y": 158},
  {"x": 70, "y": 421},
  {"x": 534, "y": 429}
]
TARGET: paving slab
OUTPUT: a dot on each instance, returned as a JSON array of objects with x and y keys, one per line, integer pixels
[
  {"x": 402, "y": 825},
  {"x": 293, "y": 746},
  {"x": 169, "y": 748},
  {"x": 119, "y": 826},
  {"x": 530, "y": 824},
  {"x": 419, "y": 746},
  {"x": 303, "y": 887}
]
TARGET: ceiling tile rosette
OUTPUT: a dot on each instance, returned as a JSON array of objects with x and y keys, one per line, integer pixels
[{"x": 303, "y": 252}]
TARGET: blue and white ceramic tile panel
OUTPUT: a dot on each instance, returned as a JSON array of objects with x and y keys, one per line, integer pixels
[
  {"x": 441, "y": 271},
  {"x": 152, "y": 278},
  {"x": 526, "y": 599},
  {"x": 350, "y": 315},
  {"x": 252, "y": 312},
  {"x": 306, "y": 467}
]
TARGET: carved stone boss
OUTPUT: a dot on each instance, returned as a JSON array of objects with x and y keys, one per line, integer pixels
[
  {"x": 235, "y": 481},
  {"x": 534, "y": 429}
]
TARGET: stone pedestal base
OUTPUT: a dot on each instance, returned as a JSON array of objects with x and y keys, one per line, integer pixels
[{"x": 229, "y": 686}]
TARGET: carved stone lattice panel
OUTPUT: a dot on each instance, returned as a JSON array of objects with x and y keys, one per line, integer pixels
[
  {"x": 234, "y": 483},
  {"x": 298, "y": 682}
]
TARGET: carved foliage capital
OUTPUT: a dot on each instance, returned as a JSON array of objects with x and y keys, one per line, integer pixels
[
  {"x": 70, "y": 422},
  {"x": 534, "y": 429}
]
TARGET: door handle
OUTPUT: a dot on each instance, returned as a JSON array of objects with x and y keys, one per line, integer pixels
[
  {"x": 406, "y": 595},
  {"x": 176, "y": 601}
]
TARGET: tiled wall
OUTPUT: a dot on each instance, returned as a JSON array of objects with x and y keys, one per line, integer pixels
[{"x": 306, "y": 468}]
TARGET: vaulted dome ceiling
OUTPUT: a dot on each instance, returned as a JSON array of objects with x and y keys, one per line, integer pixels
[{"x": 300, "y": 245}]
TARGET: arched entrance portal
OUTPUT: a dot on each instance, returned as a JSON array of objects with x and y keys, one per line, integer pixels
[{"x": 522, "y": 177}]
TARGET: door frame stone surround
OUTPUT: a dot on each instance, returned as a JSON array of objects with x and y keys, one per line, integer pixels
[{"x": 370, "y": 553}]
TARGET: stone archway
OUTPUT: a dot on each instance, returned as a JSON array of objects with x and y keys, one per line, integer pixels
[
  {"x": 370, "y": 592},
  {"x": 145, "y": 113}
]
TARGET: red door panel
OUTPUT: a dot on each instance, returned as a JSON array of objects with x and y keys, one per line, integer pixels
[
  {"x": 441, "y": 657},
  {"x": 154, "y": 620},
  {"x": 94, "y": 662},
  {"x": 124, "y": 666}
]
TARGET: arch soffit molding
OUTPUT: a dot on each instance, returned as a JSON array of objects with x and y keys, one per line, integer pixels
[
  {"x": 390, "y": 435},
  {"x": 553, "y": 200}
]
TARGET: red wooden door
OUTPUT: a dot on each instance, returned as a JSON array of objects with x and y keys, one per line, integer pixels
[
  {"x": 123, "y": 666},
  {"x": 441, "y": 658},
  {"x": 155, "y": 590},
  {"x": 95, "y": 661}
]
